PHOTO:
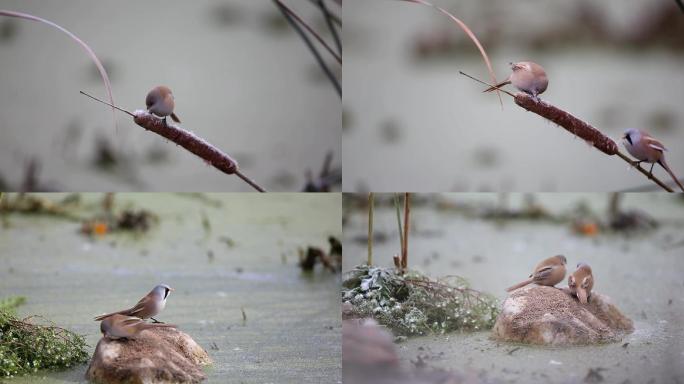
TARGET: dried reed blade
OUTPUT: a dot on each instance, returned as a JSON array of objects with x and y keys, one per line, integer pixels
[
  {"x": 472, "y": 36},
  {"x": 91, "y": 53}
]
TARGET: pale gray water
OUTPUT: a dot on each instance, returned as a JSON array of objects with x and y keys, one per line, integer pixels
[
  {"x": 293, "y": 328},
  {"x": 421, "y": 126},
  {"x": 245, "y": 85},
  {"x": 640, "y": 272}
]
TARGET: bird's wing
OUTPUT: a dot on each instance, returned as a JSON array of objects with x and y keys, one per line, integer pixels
[
  {"x": 543, "y": 272},
  {"x": 139, "y": 306},
  {"x": 655, "y": 144},
  {"x": 130, "y": 321}
]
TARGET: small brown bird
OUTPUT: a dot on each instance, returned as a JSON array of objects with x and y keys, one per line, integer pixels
[
  {"x": 126, "y": 327},
  {"x": 647, "y": 149},
  {"x": 549, "y": 272},
  {"x": 160, "y": 101},
  {"x": 149, "y": 306},
  {"x": 581, "y": 282},
  {"x": 528, "y": 77}
]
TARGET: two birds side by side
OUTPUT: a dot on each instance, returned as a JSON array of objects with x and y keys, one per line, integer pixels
[
  {"x": 551, "y": 271},
  {"x": 530, "y": 77},
  {"x": 128, "y": 323}
]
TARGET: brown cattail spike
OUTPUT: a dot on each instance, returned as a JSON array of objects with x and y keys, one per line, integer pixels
[
  {"x": 572, "y": 124},
  {"x": 187, "y": 140}
]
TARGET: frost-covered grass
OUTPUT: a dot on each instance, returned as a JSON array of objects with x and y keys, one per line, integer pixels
[
  {"x": 26, "y": 347},
  {"x": 414, "y": 304}
]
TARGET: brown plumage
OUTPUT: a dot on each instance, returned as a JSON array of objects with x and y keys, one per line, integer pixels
[
  {"x": 527, "y": 76},
  {"x": 149, "y": 306},
  {"x": 549, "y": 272},
  {"x": 645, "y": 148},
  {"x": 160, "y": 101},
  {"x": 581, "y": 282}
]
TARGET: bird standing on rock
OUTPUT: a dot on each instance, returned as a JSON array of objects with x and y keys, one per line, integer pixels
[
  {"x": 647, "y": 149},
  {"x": 549, "y": 272},
  {"x": 126, "y": 327},
  {"x": 581, "y": 282},
  {"x": 528, "y": 77},
  {"x": 160, "y": 101},
  {"x": 149, "y": 306}
]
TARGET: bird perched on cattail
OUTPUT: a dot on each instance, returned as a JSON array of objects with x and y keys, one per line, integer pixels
[
  {"x": 581, "y": 282},
  {"x": 160, "y": 101},
  {"x": 549, "y": 272},
  {"x": 647, "y": 149},
  {"x": 528, "y": 77}
]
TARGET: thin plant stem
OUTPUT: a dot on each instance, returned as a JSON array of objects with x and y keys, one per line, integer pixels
[
  {"x": 188, "y": 140},
  {"x": 407, "y": 211},
  {"x": 311, "y": 30},
  {"x": 331, "y": 27},
  {"x": 649, "y": 175},
  {"x": 401, "y": 233},
  {"x": 314, "y": 51},
  {"x": 371, "y": 201},
  {"x": 336, "y": 19}
]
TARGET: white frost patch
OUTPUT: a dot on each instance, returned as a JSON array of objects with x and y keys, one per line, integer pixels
[
  {"x": 140, "y": 112},
  {"x": 513, "y": 306},
  {"x": 110, "y": 352}
]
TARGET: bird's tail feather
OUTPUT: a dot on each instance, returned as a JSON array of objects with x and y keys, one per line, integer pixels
[
  {"x": 102, "y": 317},
  {"x": 519, "y": 285},
  {"x": 667, "y": 168}
]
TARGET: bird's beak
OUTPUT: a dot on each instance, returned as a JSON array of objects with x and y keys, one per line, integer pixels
[{"x": 171, "y": 289}]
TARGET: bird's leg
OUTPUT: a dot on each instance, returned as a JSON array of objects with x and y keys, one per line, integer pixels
[
  {"x": 166, "y": 125},
  {"x": 650, "y": 172},
  {"x": 535, "y": 97},
  {"x": 156, "y": 321}
]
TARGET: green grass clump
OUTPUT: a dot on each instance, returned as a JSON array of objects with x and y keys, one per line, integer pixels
[
  {"x": 413, "y": 304},
  {"x": 26, "y": 347}
]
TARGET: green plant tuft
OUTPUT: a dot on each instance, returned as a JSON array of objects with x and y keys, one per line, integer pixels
[
  {"x": 26, "y": 347},
  {"x": 413, "y": 304}
]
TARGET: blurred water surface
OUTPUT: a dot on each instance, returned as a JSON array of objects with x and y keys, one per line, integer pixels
[{"x": 293, "y": 330}]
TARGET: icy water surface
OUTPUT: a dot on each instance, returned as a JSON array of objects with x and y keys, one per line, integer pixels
[
  {"x": 292, "y": 331},
  {"x": 641, "y": 272}
]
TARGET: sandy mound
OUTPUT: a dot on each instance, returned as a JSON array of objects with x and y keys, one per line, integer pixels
[
  {"x": 160, "y": 355},
  {"x": 550, "y": 316}
]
